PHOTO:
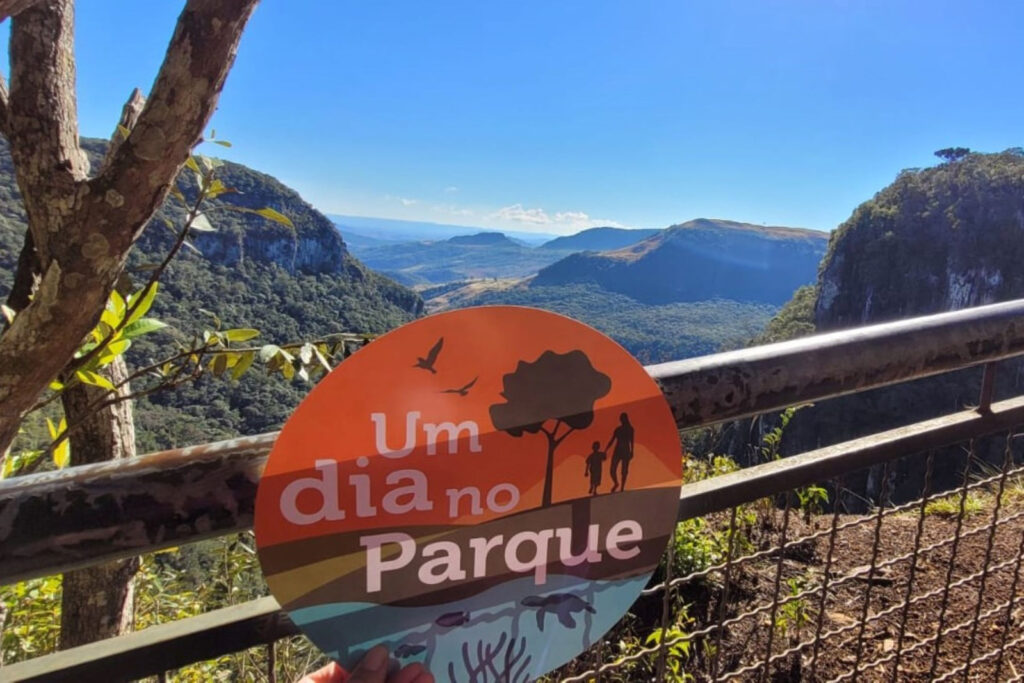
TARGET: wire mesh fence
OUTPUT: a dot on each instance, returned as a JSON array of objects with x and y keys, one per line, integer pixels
[{"x": 917, "y": 590}]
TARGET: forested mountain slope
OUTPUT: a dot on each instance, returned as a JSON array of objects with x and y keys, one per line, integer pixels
[
  {"x": 936, "y": 239},
  {"x": 250, "y": 272}
]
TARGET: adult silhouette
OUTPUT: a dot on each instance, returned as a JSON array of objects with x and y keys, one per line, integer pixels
[{"x": 622, "y": 437}]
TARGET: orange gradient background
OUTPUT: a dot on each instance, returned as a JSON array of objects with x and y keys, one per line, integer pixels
[{"x": 333, "y": 422}]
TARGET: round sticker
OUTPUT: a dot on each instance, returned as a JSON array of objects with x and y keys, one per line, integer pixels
[{"x": 485, "y": 491}]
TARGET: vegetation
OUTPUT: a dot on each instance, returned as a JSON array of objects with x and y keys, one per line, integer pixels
[
  {"x": 795, "y": 319},
  {"x": 653, "y": 334},
  {"x": 252, "y": 273}
]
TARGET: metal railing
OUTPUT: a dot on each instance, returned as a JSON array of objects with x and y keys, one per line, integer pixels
[{"x": 777, "y": 604}]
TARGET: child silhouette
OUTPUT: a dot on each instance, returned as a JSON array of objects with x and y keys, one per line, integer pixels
[{"x": 593, "y": 469}]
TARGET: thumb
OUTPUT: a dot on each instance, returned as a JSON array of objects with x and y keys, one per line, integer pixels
[{"x": 373, "y": 668}]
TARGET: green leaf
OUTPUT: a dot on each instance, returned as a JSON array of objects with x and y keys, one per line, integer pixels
[
  {"x": 145, "y": 303},
  {"x": 191, "y": 163},
  {"x": 268, "y": 352},
  {"x": 88, "y": 377},
  {"x": 116, "y": 304},
  {"x": 219, "y": 364},
  {"x": 202, "y": 224},
  {"x": 244, "y": 363},
  {"x": 217, "y": 188},
  {"x": 113, "y": 350},
  {"x": 142, "y": 326},
  {"x": 55, "y": 385},
  {"x": 241, "y": 334},
  {"x": 62, "y": 453},
  {"x": 275, "y": 216},
  {"x": 192, "y": 247},
  {"x": 322, "y": 359},
  {"x": 8, "y": 313},
  {"x": 124, "y": 131},
  {"x": 222, "y": 143}
]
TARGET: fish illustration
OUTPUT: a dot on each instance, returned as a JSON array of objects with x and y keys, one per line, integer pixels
[
  {"x": 452, "y": 619},
  {"x": 407, "y": 650},
  {"x": 562, "y": 605}
]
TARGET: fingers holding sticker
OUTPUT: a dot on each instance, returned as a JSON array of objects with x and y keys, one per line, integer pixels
[{"x": 427, "y": 494}]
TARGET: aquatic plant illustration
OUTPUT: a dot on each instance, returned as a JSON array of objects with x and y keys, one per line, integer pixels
[{"x": 494, "y": 663}]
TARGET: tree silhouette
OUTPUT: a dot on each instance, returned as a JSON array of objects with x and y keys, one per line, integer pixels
[
  {"x": 951, "y": 154},
  {"x": 555, "y": 391}
]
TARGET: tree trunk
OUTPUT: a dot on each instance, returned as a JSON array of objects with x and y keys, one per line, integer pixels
[
  {"x": 83, "y": 228},
  {"x": 98, "y": 602},
  {"x": 549, "y": 473}
]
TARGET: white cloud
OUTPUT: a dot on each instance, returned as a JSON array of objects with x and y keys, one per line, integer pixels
[
  {"x": 564, "y": 220},
  {"x": 408, "y": 202},
  {"x": 518, "y": 214},
  {"x": 450, "y": 189}
]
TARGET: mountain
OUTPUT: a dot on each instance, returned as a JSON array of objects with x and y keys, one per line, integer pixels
[
  {"x": 395, "y": 230},
  {"x": 290, "y": 284},
  {"x": 463, "y": 257},
  {"x": 599, "y": 239},
  {"x": 936, "y": 239},
  {"x": 699, "y": 260},
  {"x": 484, "y": 239}
]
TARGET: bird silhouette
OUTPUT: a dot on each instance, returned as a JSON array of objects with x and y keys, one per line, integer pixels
[
  {"x": 428, "y": 362},
  {"x": 463, "y": 390}
]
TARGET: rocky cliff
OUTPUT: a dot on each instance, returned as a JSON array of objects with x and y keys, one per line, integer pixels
[{"x": 936, "y": 239}]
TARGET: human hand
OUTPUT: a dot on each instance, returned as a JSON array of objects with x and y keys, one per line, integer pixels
[{"x": 373, "y": 668}]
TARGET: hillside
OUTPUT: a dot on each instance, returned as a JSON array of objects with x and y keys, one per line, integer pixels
[
  {"x": 936, "y": 239},
  {"x": 699, "y": 260},
  {"x": 599, "y": 239},
  {"x": 250, "y": 273},
  {"x": 652, "y": 333}
]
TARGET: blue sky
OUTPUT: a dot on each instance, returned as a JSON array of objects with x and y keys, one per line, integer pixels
[{"x": 556, "y": 115}]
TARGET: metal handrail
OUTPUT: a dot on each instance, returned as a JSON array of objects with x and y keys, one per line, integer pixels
[{"x": 68, "y": 519}]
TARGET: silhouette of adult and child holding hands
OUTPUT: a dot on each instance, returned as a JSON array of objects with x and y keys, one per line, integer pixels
[{"x": 622, "y": 437}]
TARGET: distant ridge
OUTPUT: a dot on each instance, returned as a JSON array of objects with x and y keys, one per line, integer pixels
[
  {"x": 484, "y": 239},
  {"x": 698, "y": 260},
  {"x": 600, "y": 239},
  {"x": 396, "y": 230}
]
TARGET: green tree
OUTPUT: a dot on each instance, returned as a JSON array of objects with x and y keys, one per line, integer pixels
[
  {"x": 81, "y": 227},
  {"x": 951, "y": 154}
]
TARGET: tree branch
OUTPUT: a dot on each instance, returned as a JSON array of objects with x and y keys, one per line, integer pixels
[
  {"x": 4, "y": 97},
  {"x": 8, "y": 8},
  {"x": 180, "y": 104},
  {"x": 84, "y": 230},
  {"x": 43, "y": 118}
]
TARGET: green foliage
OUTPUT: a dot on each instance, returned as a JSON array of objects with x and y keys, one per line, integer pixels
[
  {"x": 952, "y": 154},
  {"x": 795, "y": 613},
  {"x": 29, "y": 618},
  {"x": 677, "y": 650},
  {"x": 949, "y": 506},
  {"x": 653, "y": 334},
  {"x": 795, "y": 319}
]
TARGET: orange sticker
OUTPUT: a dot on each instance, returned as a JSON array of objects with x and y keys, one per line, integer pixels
[{"x": 484, "y": 490}]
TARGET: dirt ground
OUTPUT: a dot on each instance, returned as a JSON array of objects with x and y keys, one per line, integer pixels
[{"x": 803, "y": 567}]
